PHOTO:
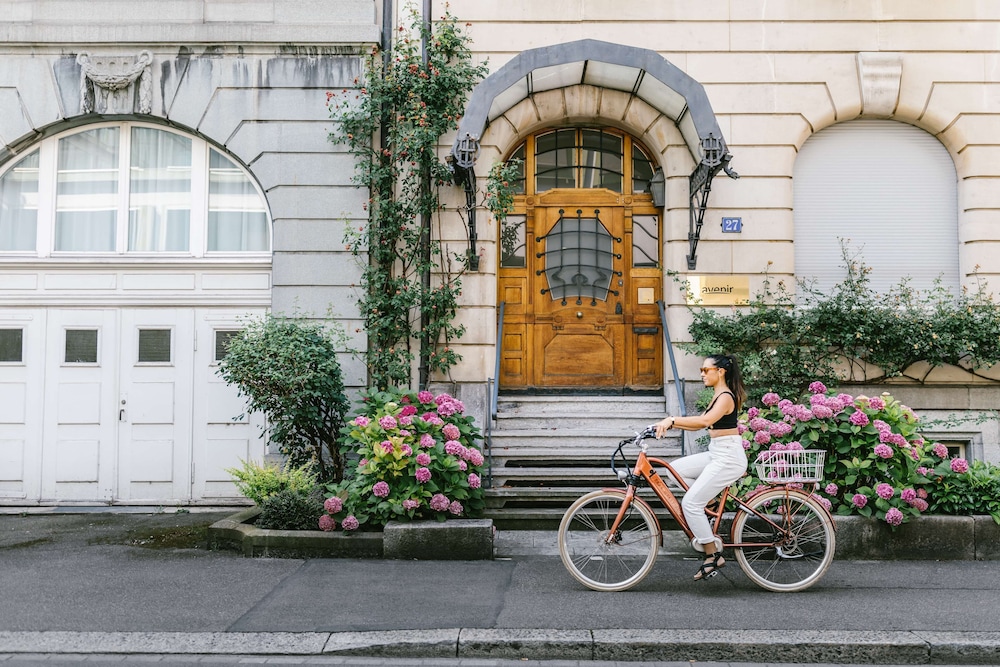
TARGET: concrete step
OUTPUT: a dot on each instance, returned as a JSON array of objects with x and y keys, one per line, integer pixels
[
  {"x": 597, "y": 439},
  {"x": 576, "y": 405}
]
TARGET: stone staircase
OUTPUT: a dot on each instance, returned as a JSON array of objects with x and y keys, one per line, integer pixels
[{"x": 547, "y": 451}]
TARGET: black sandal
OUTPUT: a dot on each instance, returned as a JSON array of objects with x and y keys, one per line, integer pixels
[{"x": 710, "y": 567}]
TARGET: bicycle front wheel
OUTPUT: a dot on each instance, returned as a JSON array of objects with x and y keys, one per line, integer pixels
[
  {"x": 797, "y": 540},
  {"x": 599, "y": 559}
]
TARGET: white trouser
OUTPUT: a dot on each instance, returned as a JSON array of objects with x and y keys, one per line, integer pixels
[{"x": 706, "y": 475}]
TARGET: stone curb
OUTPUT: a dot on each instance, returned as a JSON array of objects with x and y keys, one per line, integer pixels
[
  {"x": 805, "y": 646},
  {"x": 858, "y": 538}
]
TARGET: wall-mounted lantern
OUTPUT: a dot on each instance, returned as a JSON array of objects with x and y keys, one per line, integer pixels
[{"x": 658, "y": 188}]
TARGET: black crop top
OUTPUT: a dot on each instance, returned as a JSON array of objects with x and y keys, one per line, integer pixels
[{"x": 728, "y": 421}]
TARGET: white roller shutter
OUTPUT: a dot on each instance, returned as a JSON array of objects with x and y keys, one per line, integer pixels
[{"x": 888, "y": 187}]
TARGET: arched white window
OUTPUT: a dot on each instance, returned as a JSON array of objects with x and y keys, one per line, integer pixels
[
  {"x": 129, "y": 189},
  {"x": 887, "y": 187}
]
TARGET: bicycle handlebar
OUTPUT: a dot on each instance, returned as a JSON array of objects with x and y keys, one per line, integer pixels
[{"x": 648, "y": 432}]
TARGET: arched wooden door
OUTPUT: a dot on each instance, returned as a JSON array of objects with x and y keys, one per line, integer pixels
[{"x": 580, "y": 272}]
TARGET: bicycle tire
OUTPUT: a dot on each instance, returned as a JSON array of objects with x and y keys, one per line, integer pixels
[
  {"x": 591, "y": 559},
  {"x": 801, "y": 557}
]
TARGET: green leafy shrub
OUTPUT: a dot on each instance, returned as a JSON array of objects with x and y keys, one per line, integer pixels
[
  {"x": 786, "y": 340},
  {"x": 877, "y": 463},
  {"x": 952, "y": 491},
  {"x": 289, "y": 509},
  {"x": 259, "y": 481},
  {"x": 289, "y": 371},
  {"x": 417, "y": 459}
]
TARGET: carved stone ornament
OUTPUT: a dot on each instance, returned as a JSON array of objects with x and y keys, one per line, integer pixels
[
  {"x": 115, "y": 84},
  {"x": 879, "y": 75}
]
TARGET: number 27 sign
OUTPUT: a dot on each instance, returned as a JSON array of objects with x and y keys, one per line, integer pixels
[{"x": 732, "y": 225}]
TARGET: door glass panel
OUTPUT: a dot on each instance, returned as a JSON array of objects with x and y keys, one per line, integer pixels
[
  {"x": 579, "y": 259},
  {"x": 512, "y": 250},
  {"x": 518, "y": 183},
  {"x": 87, "y": 191},
  {"x": 11, "y": 345},
  {"x": 645, "y": 241},
  {"x": 222, "y": 340},
  {"x": 237, "y": 218},
  {"x": 600, "y": 160},
  {"x": 642, "y": 170},
  {"x": 154, "y": 346},
  {"x": 159, "y": 216},
  {"x": 81, "y": 346},
  {"x": 19, "y": 205},
  {"x": 555, "y": 154}
]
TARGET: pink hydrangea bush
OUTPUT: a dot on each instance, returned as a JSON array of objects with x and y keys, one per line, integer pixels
[
  {"x": 877, "y": 463},
  {"x": 418, "y": 456}
]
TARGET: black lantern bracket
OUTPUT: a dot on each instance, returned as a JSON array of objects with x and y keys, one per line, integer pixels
[{"x": 716, "y": 158}]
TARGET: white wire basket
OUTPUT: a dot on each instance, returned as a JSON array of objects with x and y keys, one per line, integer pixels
[{"x": 794, "y": 465}]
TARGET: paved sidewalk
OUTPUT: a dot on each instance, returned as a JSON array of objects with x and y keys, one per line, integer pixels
[{"x": 100, "y": 584}]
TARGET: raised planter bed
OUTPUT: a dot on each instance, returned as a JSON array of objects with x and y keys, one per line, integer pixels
[
  {"x": 923, "y": 538},
  {"x": 458, "y": 539}
]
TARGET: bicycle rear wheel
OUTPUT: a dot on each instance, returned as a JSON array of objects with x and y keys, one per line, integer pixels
[
  {"x": 800, "y": 549},
  {"x": 601, "y": 563}
]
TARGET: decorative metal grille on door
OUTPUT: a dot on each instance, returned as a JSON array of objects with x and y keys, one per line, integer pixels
[{"x": 579, "y": 259}]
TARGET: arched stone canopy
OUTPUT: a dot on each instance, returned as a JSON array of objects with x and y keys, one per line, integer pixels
[{"x": 642, "y": 73}]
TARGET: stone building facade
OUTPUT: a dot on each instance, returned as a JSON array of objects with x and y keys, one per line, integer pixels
[
  {"x": 871, "y": 121},
  {"x": 166, "y": 173},
  {"x": 114, "y": 303}
]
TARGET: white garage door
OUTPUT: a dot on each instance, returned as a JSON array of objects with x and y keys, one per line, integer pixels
[{"x": 105, "y": 405}]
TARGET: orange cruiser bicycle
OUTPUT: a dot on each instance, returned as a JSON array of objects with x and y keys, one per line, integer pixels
[{"x": 783, "y": 537}]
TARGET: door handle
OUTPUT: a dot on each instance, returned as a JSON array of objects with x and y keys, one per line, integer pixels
[{"x": 121, "y": 412}]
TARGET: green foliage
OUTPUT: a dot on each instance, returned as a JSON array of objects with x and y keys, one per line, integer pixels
[
  {"x": 785, "y": 341},
  {"x": 417, "y": 459},
  {"x": 976, "y": 491},
  {"x": 288, "y": 370},
  {"x": 259, "y": 481},
  {"x": 290, "y": 510},
  {"x": 410, "y": 104},
  {"x": 877, "y": 463}
]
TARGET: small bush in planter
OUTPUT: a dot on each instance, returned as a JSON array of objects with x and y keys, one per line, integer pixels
[
  {"x": 288, "y": 370},
  {"x": 418, "y": 458},
  {"x": 290, "y": 509},
  {"x": 259, "y": 481}
]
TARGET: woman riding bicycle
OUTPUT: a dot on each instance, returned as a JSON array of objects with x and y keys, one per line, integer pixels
[{"x": 708, "y": 473}]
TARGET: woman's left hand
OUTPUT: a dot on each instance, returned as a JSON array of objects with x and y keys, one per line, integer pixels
[{"x": 663, "y": 426}]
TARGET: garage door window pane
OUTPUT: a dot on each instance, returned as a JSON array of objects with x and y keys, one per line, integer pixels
[
  {"x": 19, "y": 205},
  {"x": 81, "y": 346},
  {"x": 11, "y": 345},
  {"x": 222, "y": 340},
  {"x": 154, "y": 346},
  {"x": 237, "y": 218},
  {"x": 87, "y": 191}
]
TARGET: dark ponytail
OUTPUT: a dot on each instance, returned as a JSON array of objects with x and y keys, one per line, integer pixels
[{"x": 734, "y": 379}]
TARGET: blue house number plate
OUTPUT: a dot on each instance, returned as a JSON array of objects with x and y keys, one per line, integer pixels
[{"x": 732, "y": 225}]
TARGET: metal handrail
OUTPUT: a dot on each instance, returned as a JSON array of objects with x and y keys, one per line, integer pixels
[
  {"x": 673, "y": 367},
  {"x": 493, "y": 386}
]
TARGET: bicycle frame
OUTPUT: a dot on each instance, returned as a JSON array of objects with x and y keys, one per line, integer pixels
[{"x": 645, "y": 470}]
